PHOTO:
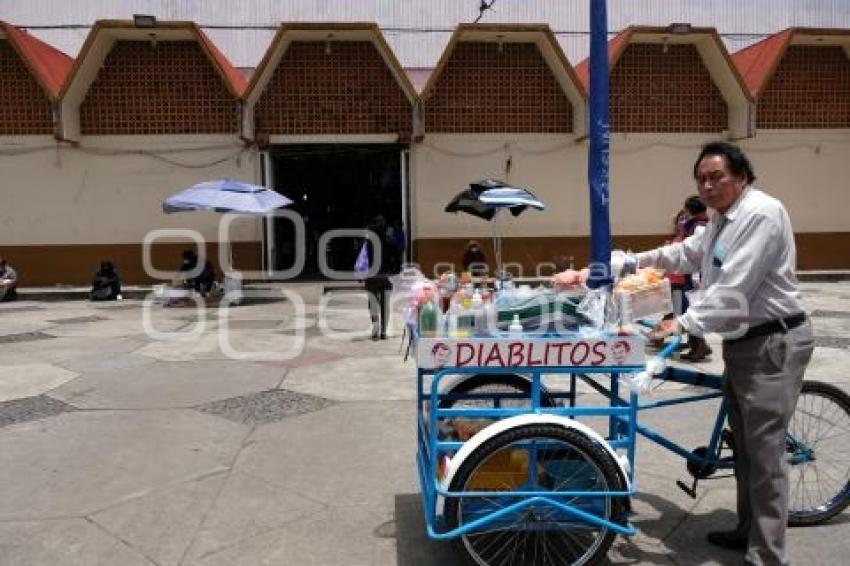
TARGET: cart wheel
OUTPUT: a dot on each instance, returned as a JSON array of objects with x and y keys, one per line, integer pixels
[
  {"x": 566, "y": 460},
  {"x": 818, "y": 446},
  {"x": 489, "y": 386}
]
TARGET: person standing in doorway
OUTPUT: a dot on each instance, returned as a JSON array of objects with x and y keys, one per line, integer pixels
[{"x": 747, "y": 254}]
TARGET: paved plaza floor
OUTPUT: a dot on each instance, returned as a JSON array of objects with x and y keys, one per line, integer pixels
[{"x": 173, "y": 436}]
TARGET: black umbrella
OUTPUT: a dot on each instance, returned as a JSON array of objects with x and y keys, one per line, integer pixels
[{"x": 486, "y": 198}]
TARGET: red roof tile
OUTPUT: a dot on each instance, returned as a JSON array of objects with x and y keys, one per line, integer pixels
[
  {"x": 48, "y": 65},
  {"x": 616, "y": 46},
  {"x": 757, "y": 62},
  {"x": 237, "y": 80}
]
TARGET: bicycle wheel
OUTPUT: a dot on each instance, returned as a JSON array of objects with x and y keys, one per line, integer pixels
[
  {"x": 484, "y": 390},
  {"x": 818, "y": 445},
  {"x": 565, "y": 460}
]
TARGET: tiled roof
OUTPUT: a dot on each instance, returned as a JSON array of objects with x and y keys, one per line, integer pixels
[
  {"x": 758, "y": 62},
  {"x": 616, "y": 46},
  {"x": 48, "y": 65},
  {"x": 237, "y": 80}
]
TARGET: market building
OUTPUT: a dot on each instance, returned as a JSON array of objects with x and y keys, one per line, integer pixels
[{"x": 330, "y": 118}]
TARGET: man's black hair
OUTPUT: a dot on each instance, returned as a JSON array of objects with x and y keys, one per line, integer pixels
[{"x": 738, "y": 163}]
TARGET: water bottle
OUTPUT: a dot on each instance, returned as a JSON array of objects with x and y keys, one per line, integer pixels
[
  {"x": 491, "y": 318},
  {"x": 428, "y": 320},
  {"x": 515, "y": 329},
  {"x": 452, "y": 317}
]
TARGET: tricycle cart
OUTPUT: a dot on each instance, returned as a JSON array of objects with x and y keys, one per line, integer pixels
[{"x": 508, "y": 467}]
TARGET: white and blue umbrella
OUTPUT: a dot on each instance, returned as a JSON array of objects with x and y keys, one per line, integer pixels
[{"x": 226, "y": 195}]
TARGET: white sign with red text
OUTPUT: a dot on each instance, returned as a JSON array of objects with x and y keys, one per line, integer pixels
[{"x": 563, "y": 351}]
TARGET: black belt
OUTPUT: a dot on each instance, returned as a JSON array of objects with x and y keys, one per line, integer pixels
[{"x": 772, "y": 327}]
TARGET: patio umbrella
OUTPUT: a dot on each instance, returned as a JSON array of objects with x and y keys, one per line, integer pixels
[
  {"x": 486, "y": 198},
  {"x": 226, "y": 195}
]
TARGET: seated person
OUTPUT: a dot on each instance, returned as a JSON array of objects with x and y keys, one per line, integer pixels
[
  {"x": 474, "y": 260},
  {"x": 8, "y": 281},
  {"x": 203, "y": 283},
  {"x": 188, "y": 262},
  {"x": 106, "y": 285}
]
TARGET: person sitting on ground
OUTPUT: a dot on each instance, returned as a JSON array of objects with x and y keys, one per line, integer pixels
[
  {"x": 8, "y": 281},
  {"x": 188, "y": 263},
  {"x": 203, "y": 283},
  {"x": 106, "y": 285},
  {"x": 474, "y": 260}
]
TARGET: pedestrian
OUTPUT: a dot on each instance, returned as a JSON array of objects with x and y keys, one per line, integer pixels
[
  {"x": 8, "y": 281},
  {"x": 378, "y": 285},
  {"x": 691, "y": 219},
  {"x": 747, "y": 251}
]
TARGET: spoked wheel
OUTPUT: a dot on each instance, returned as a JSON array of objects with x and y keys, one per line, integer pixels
[
  {"x": 561, "y": 459},
  {"x": 818, "y": 446},
  {"x": 494, "y": 389}
]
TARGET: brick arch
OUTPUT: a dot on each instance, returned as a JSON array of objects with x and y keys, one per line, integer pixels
[
  {"x": 656, "y": 91},
  {"x": 24, "y": 106},
  {"x": 341, "y": 87},
  {"x": 810, "y": 89},
  {"x": 170, "y": 88},
  {"x": 486, "y": 88}
]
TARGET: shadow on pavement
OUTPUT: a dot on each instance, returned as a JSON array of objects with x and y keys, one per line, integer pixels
[
  {"x": 679, "y": 535},
  {"x": 414, "y": 548}
]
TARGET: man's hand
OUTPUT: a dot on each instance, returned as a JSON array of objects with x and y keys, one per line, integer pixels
[{"x": 664, "y": 329}]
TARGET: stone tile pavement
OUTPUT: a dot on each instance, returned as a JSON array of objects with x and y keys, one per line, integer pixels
[{"x": 129, "y": 436}]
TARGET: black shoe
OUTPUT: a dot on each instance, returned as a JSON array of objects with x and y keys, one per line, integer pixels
[
  {"x": 699, "y": 350},
  {"x": 374, "y": 337},
  {"x": 732, "y": 540},
  {"x": 383, "y": 336}
]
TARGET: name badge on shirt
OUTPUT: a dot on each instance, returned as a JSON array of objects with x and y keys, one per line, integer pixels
[{"x": 719, "y": 254}]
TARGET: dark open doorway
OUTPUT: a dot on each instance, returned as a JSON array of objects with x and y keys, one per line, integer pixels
[{"x": 335, "y": 187}]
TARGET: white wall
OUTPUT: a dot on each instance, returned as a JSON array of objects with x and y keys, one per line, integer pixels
[
  {"x": 809, "y": 172},
  {"x": 105, "y": 192},
  {"x": 650, "y": 177}
]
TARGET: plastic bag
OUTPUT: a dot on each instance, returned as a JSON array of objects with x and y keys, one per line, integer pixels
[
  {"x": 595, "y": 307},
  {"x": 641, "y": 382},
  {"x": 361, "y": 265}
]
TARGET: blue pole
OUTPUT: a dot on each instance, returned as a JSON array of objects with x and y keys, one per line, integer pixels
[{"x": 597, "y": 163}]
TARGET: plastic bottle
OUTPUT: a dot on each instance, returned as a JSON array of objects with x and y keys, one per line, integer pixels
[
  {"x": 478, "y": 312},
  {"x": 428, "y": 319},
  {"x": 515, "y": 328},
  {"x": 490, "y": 318},
  {"x": 452, "y": 320}
]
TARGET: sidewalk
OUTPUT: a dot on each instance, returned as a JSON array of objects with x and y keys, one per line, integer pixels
[{"x": 133, "y": 439}]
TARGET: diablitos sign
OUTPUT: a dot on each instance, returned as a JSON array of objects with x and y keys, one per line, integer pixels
[{"x": 435, "y": 353}]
